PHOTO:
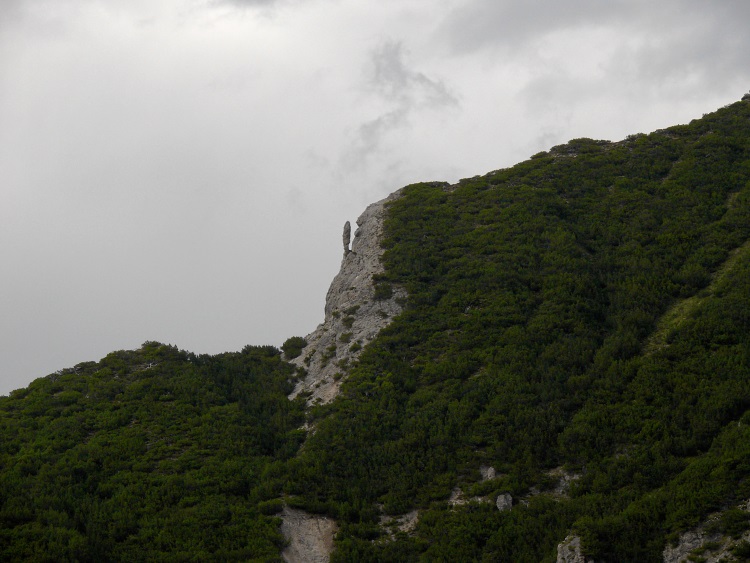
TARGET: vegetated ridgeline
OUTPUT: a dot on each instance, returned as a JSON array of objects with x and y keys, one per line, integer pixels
[
  {"x": 357, "y": 308},
  {"x": 538, "y": 334},
  {"x": 564, "y": 376}
]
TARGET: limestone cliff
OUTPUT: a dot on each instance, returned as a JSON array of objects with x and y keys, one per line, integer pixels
[
  {"x": 356, "y": 310},
  {"x": 310, "y": 536}
]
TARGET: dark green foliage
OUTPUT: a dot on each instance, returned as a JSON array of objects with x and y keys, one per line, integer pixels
[
  {"x": 293, "y": 346},
  {"x": 345, "y": 337},
  {"x": 742, "y": 551},
  {"x": 589, "y": 308},
  {"x": 147, "y": 455},
  {"x": 383, "y": 290},
  {"x": 733, "y": 522}
]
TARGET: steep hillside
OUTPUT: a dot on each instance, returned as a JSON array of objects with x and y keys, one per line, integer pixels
[
  {"x": 540, "y": 335},
  {"x": 563, "y": 360},
  {"x": 148, "y": 455},
  {"x": 356, "y": 311}
]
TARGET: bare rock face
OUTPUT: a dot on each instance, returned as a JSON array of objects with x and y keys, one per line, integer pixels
[
  {"x": 569, "y": 551},
  {"x": 705, "y": 545},
  {"x": 405, "y": 523},
  {"x": 355, "y": 312},
  {"x": 347, "y": 237},
  {"x": 689, "y": 541},
  {"x": 310, "y": 536}
]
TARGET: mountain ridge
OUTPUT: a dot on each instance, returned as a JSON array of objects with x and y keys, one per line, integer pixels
[{"x": 583, "y": 313}]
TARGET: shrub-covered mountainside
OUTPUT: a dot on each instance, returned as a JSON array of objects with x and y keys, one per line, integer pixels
[
  {"x": 575, "y": 343},
  {"x": 150, "y": 455}
]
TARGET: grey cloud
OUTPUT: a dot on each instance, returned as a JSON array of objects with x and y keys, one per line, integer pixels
[
  {"x": 371, "y": 133},
  {"x": 266, "y": 5},
  {"x": 634, "y": 50},
  {"x": 662, "y": 42},
  {"x": 14, "y": 13},
  {"x": 253, "y": 2},
  {"x": 138, "y": 162},
  {"x": 9, "y": 11},
  {"x": 511, "y": 24},
  {"x": 702, "y": 46},
  {"x": 404, "y": 89},
  {"x": 393, "y": 80}
]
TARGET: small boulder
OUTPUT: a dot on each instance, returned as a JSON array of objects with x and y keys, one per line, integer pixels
[
  {"x": 504, "y": 502},
  {"x": 487, "y": 472},
  {"x": 569, "y": 551}
]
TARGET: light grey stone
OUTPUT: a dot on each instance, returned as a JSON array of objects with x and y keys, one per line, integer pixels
[
  {"x": 569, "y": 551},
  {"x": 487, "y": 472},
  {"x": 504, "y": 502},
  {"x": 310, "y": 536},
  {"x": 347, "y": 237},
  {"x": 353, "y": 318}
]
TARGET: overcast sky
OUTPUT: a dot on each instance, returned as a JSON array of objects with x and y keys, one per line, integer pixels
[{"x": 180, "y": 170}]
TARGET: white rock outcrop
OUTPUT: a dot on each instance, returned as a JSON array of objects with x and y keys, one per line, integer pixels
[
  {"x": 569, "y": 551},
  {"x": 504, "y": 502},
  {"x": 354, "y": 313},
  {"x": 487, "y": 472},
  {"x": 689, "y": 541},
  {"x": 702, "y": 544},
  {"x": 310, "y": 536}
]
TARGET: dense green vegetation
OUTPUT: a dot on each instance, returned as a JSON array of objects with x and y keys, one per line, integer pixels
[
  {"x": 148, "y": 455},
  {"x": 584, "y": 313},
  {"x": 293, "y": 346},
  {"x": 541, "y": 332}
]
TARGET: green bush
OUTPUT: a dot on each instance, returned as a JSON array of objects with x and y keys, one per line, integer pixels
[
  {"x": 383, "y": 291},
  {"x": 293, "y": 347}
]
